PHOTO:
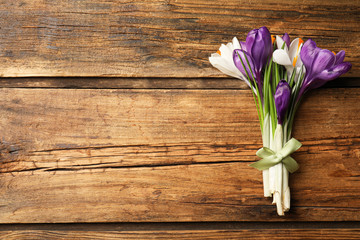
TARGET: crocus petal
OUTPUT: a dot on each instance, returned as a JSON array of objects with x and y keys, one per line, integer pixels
[
  {"x": 282, "y": 99},
  {"x": 294, "y": 52},
  {"x": 243, "y": 46},
  {"x": 223, "y": 65},
  {"x": 266, "y": 36},
  {"x": 250, "y": 40},
  {"x": 335, "y": 72},
  {"x": 324, "y": 66},
  {"x": 328, "y": 75},
  {"x": 324, "y": 60},
  {"x": 259, "y": 46},
  {"x": 243, "y": 62},
  {"x": 236, "y": 43},
  {"x": 281, "y": 44},
  {"x": 281, "y": 57},
  {"x": 286, "y": 38},
  {"x": 340, "y": 57},
  {"x": 294, "y": 46},
  {"x": 262, "y": 50},
  {"x": 223, "y": 60},
  {"x": 226, "y": 50},
  {"x": 308, "y": 53},
  {"x": 256, "y": 48}
]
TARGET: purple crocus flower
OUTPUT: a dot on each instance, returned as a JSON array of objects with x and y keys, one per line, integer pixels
[
  {"x": 258, "y": 45},
  {"x": 282, "y": 99},
  {"x": 321, "y": 66},
  {"x": 257, "y": 49}
]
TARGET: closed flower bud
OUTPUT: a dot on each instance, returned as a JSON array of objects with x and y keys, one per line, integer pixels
[{"x": 282, "y": 100}]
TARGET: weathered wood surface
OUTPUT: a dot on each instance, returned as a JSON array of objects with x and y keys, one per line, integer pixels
[
  {"x": 310, "y": 234},
  {"x": 97, "y": 155},
  {"x": 162, "y": 38},
  {"x": 144, "y": 83}
]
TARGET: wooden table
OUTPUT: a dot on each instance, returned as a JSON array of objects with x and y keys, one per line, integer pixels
[{"x": 114, "y": 125}]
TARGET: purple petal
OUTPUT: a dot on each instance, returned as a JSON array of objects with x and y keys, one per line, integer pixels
[
  {"x": 241, "y": 63},
  {"x": 268, "y": 46},
  {"x": 243, "y": 46},
  {"x": 282, "y": 100},
  {"x": 308, "y": 53},
  {"x": 250, "y": 40},
  {"x": 257, "y": 51},
  {"x": 261, "y": 48},
  {"x": 258, "y": 45},
  {"x": 321, "y": 66},
  {"x": 286, "y": 38},
  {"x": 335, "y": 72},
  {"x": 340, "y": 57},
  {"x": 325, "y": 76},
  {"x": 324, "y": 60}
]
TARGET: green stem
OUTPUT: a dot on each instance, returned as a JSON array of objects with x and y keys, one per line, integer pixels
[
  {"x": 252, "y": 90},
  {"x": 257, "y": 92}
]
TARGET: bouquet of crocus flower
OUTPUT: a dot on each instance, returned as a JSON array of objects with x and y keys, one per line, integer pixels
[{"x": 278, "y": 73}]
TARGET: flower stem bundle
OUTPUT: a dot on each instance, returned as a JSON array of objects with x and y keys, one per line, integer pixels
[{"x": 279, "y": 73}]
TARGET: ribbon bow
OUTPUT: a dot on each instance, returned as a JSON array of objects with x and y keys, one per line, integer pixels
[{"x": 271, "y": 158}]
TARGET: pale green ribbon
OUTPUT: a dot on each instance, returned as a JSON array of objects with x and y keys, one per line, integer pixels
[{"x": 271, "y": 158}]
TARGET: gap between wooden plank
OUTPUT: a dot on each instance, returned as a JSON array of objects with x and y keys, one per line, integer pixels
[{"x": 144, "y": 83}]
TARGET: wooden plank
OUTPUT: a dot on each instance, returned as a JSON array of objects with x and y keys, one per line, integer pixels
[
  {"x": 137, "y": 83},
  {"x": 144, "y": 83},
  {"x": 311, "y": 234},
  {"x": 162, "y": 38},
  {"x": 168, "y": 155},
  {"x": 177, "y": 226},
  {"x": 198, "y": 230}
]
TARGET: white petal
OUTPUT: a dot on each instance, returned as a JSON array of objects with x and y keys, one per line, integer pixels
[
  {"x": 224, "y": 66},
  {"x": 215, "y": 55},
  {"x": 298, "y": 70},
  {"x": 226, "y": 51},
  {"x": 289, "y": 70},
  {"x": 298, "y": 61},
  {"x": 293, "y": 51},
  {"x": 230, "y": 46},
  {"x": 224, "y": 61},
  {"x": 227, "y": 67},
  {"x": 280, "y": 42},
  {"x": 227, "y": 55},
  {"x": 236, "y": 43},
  {"x": 281, "y": 57}
]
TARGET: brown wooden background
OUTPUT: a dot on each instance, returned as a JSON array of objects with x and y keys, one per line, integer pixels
[{"x": 113, "y": 124}]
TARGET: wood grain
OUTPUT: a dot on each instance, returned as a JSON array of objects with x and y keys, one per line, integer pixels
[
  {"x": 162, "y": 38},
  {"x": 168, "y": 155},
  {"x": 145, "y": 83},
  {"x": 310, "y": 234}
]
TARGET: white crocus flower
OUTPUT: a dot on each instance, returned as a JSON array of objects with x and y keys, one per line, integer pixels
[
  {"x": 289, "y": 57},
  {"x": 223, "y": 60}
]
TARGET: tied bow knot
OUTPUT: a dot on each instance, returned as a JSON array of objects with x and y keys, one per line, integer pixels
[
  {"x": 279, "y": 155},
  {"x": 271, "y": 158}
]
